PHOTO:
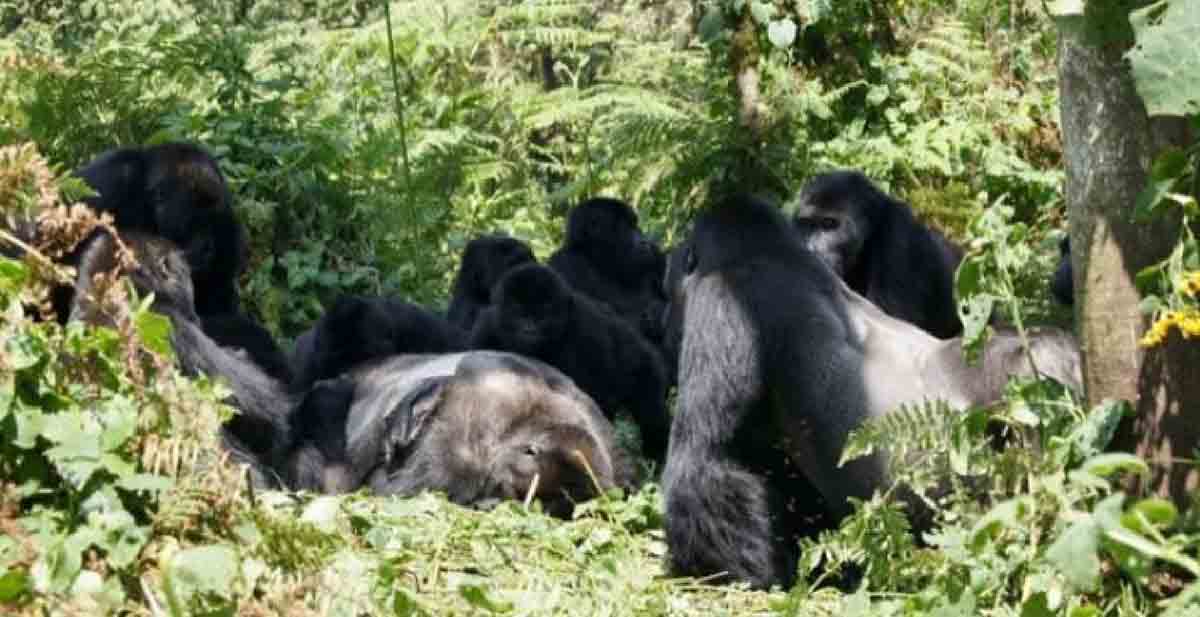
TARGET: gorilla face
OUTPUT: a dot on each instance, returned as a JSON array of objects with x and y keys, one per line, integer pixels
[
  {"x": 832, "y": 221},
  {"x": 606, "y": 230},
  {"x": 527, "y": 438},
  {"x": 533, "y": 306},
  {"x": 502, "y": 255}
]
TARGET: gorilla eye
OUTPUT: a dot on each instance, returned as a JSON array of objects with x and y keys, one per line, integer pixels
[
  {"x": 531, "y": 450},
  {"x": 828, "y": 223}
]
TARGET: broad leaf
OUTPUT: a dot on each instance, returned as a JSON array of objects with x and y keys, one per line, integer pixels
[{"x": 1166, "y": 58}]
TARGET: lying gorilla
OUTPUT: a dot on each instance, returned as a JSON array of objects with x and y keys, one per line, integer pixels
[
  {"x": 479, "y": 426},
  {"x": 606, "y": 258},
  {"x": 876, "y": 245},
  {"x": 780, "y": 361},
  {"x": 534, "y": 313},
  {"x": 1062, "y": 285},
  {"x": 175, "y": 191},
  {"x": 357, "y": 329},
  {"x": 485, "y": 259}
]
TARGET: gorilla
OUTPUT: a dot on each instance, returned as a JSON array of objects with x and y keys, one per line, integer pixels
[
  {"x": 535, "y": 313},
  {"x": 876, "y": 245},
  {"x": 780, "y": 360},
  {"x": 360, "y": 328},
  {"x": 1062, "y": 285},
  {"x": 485, "y": 259},
  {"x": 240, "y": 331},
  {"x": 175, "y": 191},
  {"x": 606, "y": 258},
  {"x": 479, "y": 426}
]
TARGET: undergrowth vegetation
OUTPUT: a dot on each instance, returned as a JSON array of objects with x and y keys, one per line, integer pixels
[{"x": 366, "y": 147}]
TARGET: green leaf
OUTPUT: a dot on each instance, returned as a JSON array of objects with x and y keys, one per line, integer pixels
[
  {"x": 403, "y": 605},
  {"x": 1165, "y": 60},
  {"x": 1107, "y": 464},
  {"x": 1076, "y": 553},
  {"x": 477, "y": 596},
  {"x": 202, "y": 570},
  {"x": 712, "y": 25},
  {"x": 1066, "y": 8},
  {"x": 145, "y": 482},
  {"x": 13, "y": 584},
  {"x": 1037, "y": 606},
  {"x": 762, "y": 12},
  {"x": 155, "y": 331},
  {"x": 782, "y": 33}
]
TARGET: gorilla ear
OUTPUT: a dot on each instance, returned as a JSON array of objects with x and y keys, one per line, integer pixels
[{"x": 410, "y": 416}]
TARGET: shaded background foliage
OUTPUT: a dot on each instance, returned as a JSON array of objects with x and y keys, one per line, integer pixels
[{"x": 511, "y": 111}]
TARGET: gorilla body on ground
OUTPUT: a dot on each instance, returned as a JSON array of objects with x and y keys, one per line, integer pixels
[
  {"x": 1062, "y": 285},
  {"x": 878, "y": 247},
  {"x": 485, "y": 259},
  {"x": 359, "y": 328},
  {"x": 606, "y": 258},
  {"x": 479, "y": 426},
  {"x": 780, "y": 361},
  {"x": 535, "y": 313},
  {"x": 175, "y": 191}
]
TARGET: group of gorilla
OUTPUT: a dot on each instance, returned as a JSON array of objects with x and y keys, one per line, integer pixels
[{"x": 780, "y": 336}]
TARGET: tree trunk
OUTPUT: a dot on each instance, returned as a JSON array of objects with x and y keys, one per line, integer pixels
[
  {"x": 1109, "y": 143},
  {"x": 743, "y": 57}
]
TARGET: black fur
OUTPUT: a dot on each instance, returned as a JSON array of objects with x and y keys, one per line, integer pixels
[
  {"x": 606, "y": 258},
  {"x": 175, "y": 191},
  {"x": 1062, "y": 285},
  {"x": 359, "y": 328},
  {"x": 779, "y": 361},
  {"x": 479, "y": 426},
  {"x": 534, "y": 313},
  {"x": 485, "y": 259},
  {"x": 878, "y": 247},
  {"x": 240, "y": 331}
]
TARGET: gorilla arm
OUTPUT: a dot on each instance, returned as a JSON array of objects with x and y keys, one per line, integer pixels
[{"x": 718, "y": 513}]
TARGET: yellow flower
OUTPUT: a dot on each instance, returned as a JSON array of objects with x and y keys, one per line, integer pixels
[
  {"x": 1189, "y": 284},
  {"x": 1187, "y": 321}
]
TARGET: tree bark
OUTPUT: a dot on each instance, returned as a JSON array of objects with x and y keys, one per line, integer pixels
[
  {"x": 1110, "y": 143},
  {"x": 744, "y": 56}
]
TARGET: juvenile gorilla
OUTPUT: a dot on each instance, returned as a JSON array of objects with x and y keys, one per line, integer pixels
[
  {"x": 175, "y": 191},
  {"x": 359, "y": 328},
  {"x": 485, "y": 259},
  {"x": 479, "y": 426},
  {"x": 534, "y": 313},
  {"x": 1062, "y": 285},
  {"x": 876, "y": 245},
  {"x": 606, "y": 258},
  {"x": 780, "y": 361}
]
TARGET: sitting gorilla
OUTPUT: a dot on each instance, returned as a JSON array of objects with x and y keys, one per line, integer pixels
[
  {"x": 479, "y": 426},
  {"x": 780, "y": 361},
  {"x": 175, "y": 191},
  {"x": 485, "y": 259},
  {"x": 358, "y": 328},
  {"x": 534, "y": 313},
  {"x": 876, "y": 245},
  {"x": 607, "y": 259},
  {"x": 1062, "y": 286},
  {"x": 240, "y": 331}
]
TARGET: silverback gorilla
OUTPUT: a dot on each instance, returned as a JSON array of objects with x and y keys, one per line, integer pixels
[
  {"x": 485, "y": 259},
  {"x": 534, "y": 313},
  {"x": 780, "y": 361},
  {"x": 876, "y": 245},
  {"x": 479, "y": 426},
  {"x": 606, "y": 258}
]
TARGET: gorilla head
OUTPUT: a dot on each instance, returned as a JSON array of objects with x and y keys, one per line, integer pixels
[
  {"x": 531, "y": 433},
  {"x": 874, "y": 243},
  {"x": 605, "y": 231},
  {"x": 533, "y": 306},
  {"x": 485, "y": 260},
  {"x": 177, "y": 191}
]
